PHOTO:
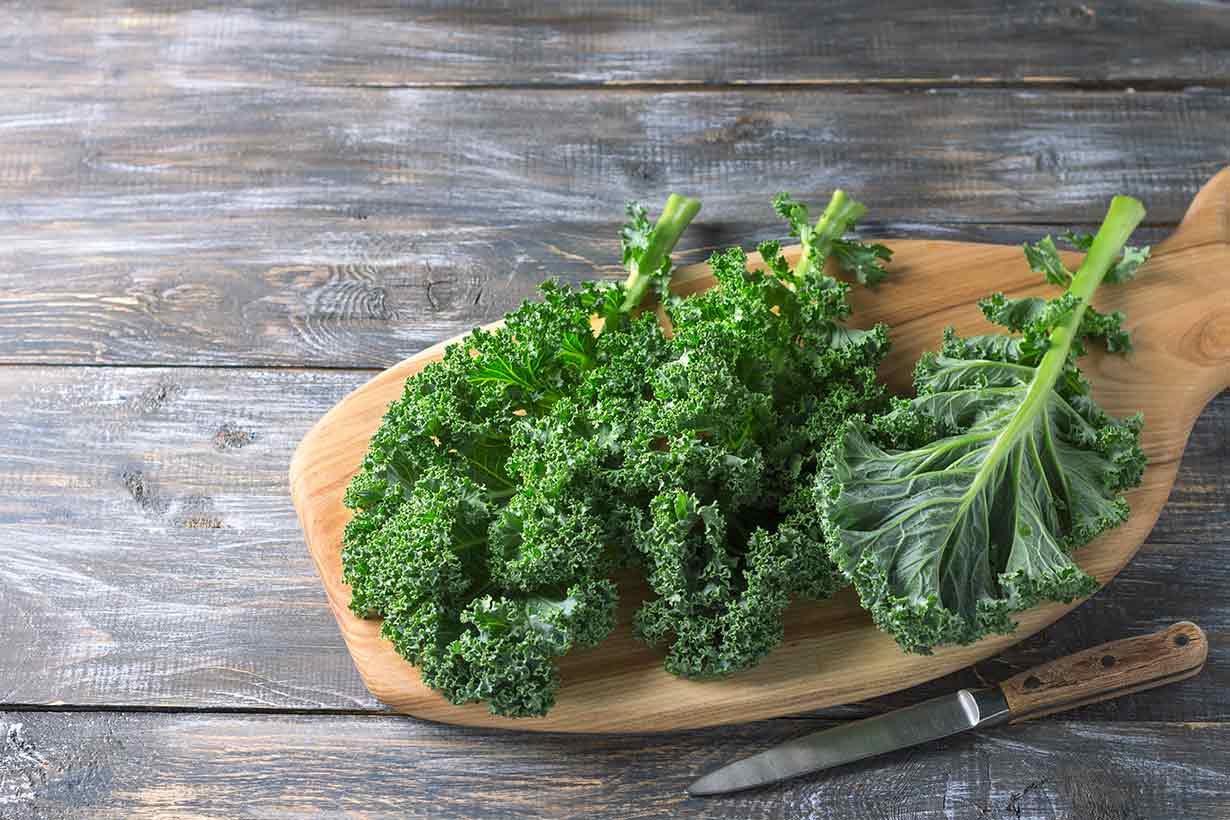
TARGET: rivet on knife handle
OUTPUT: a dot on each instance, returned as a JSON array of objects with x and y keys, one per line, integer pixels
[{"x": 1107, "y": 671}]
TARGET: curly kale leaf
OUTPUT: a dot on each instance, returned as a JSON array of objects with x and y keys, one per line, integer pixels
[
  {"x": 503, "y": 649},
  {"x": 485, "y": 518},
  {"x": 961, "y": 507},
  {"x": 762, "y": 372},
  {"x": 1033, "y": 317},
  {"x": 714, "y": 627},
  {"x": 1043, "y": 258}
]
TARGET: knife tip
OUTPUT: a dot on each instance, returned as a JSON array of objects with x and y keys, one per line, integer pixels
[{"x": 705, "y": 787}]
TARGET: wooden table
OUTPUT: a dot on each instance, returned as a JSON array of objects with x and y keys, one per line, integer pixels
[{"x": 217, "y": 221}]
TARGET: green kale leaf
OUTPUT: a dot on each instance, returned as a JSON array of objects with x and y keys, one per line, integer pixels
[
  {"x": 958, "y": 508},
  {"x": 761, "y": 373},
  {"x": 486, "y": 525}
]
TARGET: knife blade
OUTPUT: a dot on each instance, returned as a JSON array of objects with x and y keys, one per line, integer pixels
[
  {"x": 923, "y": 722},
  {"x": 1105, "y": 671}
]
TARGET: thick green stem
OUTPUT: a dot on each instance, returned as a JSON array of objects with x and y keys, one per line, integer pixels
[
  {"x": 817, "y": 243},
  {"x": 676, "y": 215},
  {"x": 1124, "y": 215}
]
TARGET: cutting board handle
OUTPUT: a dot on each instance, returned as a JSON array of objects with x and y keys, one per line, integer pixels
[
  {"x": 1207, "y": 220},
  {"x": 1184, "y": 291}
]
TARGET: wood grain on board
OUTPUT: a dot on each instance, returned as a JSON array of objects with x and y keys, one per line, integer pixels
[
  {"x": 117, "y": 766},
  {"x": 352, "y": 227},
  {"x": 1179, "y": 312},
  {"x": 197, "y": 44}
]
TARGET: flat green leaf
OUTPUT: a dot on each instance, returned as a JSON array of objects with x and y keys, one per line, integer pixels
[
  {"x": 1043, "y": 257},
  {"x": 961, "y": 507}
]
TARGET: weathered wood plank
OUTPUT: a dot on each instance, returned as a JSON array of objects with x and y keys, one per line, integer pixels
[
  {"x": 133, "y": 766},
  {"x": 385, "y": 295},
  {"x": 149, "y": 554},
  {"x": 147, "y": 545},
  {"x": 351, "y": 227},
  {"x": 424, "y": 43}
]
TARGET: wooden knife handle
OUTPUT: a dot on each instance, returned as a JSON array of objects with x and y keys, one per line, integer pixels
[{"x": 1107, "y": 671}]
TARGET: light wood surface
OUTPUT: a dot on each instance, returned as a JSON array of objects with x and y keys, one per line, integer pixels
[{"x": 1179, "y": 312}]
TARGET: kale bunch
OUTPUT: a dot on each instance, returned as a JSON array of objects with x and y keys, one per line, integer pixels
[
  {"x": 485, "y": 531},
  {"x": 759, "y": 373},
  {"x": 514, "y": 477},
  {"x": 960, "y": 507}
]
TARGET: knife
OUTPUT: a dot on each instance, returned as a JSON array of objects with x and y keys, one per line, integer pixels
[{"x": 1104, "y": 672}]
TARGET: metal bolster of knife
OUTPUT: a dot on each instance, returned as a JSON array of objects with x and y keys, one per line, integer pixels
[{"x": 984, "y": 707}]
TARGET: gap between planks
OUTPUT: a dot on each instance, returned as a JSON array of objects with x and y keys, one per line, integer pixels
[
  {"x": 241, "y": 711},
  {"x": 905, "y": 84}
]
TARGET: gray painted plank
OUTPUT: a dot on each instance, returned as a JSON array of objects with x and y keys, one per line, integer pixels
[
  {"x": 491, "y": 42},
  {"x": 136, "y": 766},
  {"x": 149, "y": 552},
  {"x": 150, "y": 556},
  {"x": 351, "y": 227}
]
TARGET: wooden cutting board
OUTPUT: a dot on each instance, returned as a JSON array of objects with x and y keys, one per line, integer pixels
[{"x": 1179, "y": 311}]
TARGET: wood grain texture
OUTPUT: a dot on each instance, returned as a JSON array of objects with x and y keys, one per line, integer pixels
[
  {"x": 148, "y": 552},
  {"x": 150, "y": 555},
  {"x": 1110, "y": 670},
  {"x": 554, "y": 43},
  {"x": 219, "y": 224},
  {"x": 1179, "y": 310},
  {"x": 107, "y": 766}
]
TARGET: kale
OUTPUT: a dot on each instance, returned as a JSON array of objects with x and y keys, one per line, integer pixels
[
  {"x": 956, "y": 509},
  {"x": 485, "y": 530},
  {"x": 760, "y": 373},
  {"x": 513, "y": 478}
]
